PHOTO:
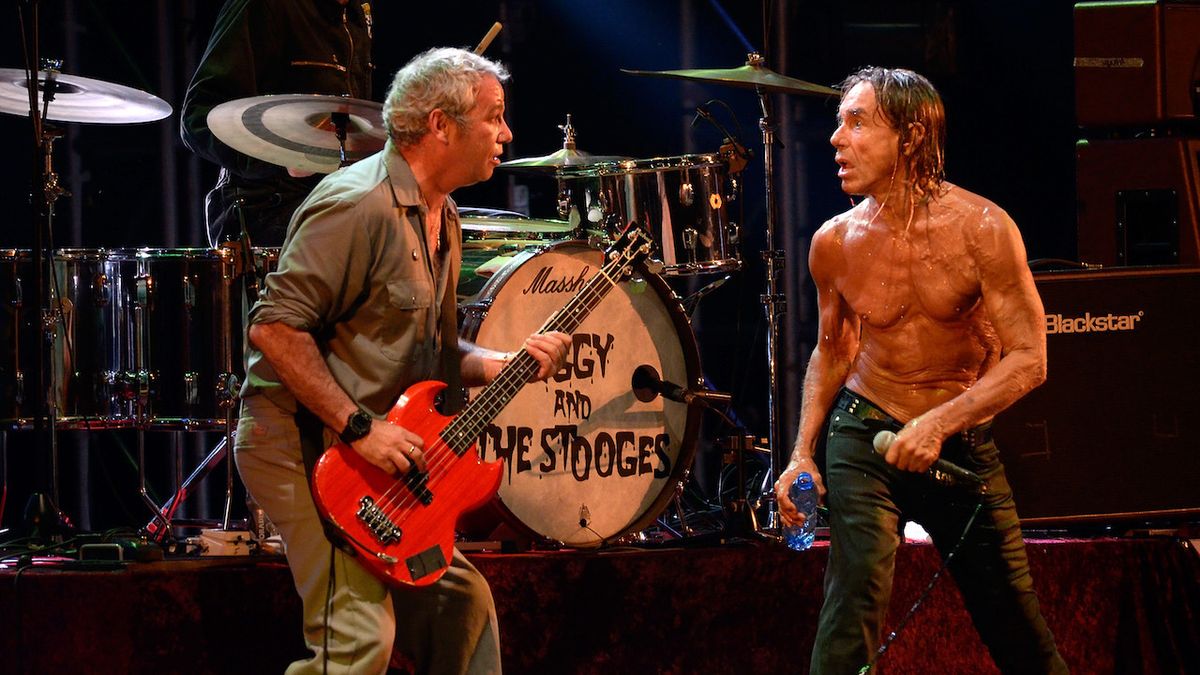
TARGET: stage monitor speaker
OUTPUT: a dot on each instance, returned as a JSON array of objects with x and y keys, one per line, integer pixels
[
  {"x": 1136, "y": 63},
  {"x": 1114, "y": 432},
  {"x": 1138, "y": 201}
]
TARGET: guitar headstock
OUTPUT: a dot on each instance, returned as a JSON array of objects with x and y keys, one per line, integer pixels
[{"x": 633, "y": 246}]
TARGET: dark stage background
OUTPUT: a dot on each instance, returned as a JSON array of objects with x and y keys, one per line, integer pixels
[{"x": 1004, "y": 70}]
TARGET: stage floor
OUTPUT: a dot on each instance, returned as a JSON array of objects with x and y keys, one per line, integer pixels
[{"x": 1115, "y": 606}]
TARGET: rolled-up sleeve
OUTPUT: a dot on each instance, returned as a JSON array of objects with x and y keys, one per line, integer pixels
[{"x": 323, "y": 268}]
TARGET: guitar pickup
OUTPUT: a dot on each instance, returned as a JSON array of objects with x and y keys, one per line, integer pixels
[{"x": 418, "y": 482}]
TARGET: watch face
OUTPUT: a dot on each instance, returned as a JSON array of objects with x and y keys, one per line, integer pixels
[{"x": 360, "y": 423}]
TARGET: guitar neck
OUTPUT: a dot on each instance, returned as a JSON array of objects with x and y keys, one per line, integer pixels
[{"x": 461, "y": 433}]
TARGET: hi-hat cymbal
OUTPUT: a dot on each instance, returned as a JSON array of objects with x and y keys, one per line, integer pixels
[
  {"x": 753, "y": 75},
  {"x": 559, "y": 159},
  {"x": 81, "y": 99},
  {"x": 298, "y": 131}
]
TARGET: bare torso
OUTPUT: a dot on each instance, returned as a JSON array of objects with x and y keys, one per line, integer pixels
[{"x": 916, "y": 292}]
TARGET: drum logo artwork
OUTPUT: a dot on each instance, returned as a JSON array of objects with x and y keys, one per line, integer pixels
[{"x": 581, "y": 442}]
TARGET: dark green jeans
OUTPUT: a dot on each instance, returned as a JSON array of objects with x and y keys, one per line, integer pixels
[{"x": 868, "y": 498}]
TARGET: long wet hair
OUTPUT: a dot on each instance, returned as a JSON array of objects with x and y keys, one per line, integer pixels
[{"x": 914, "y": 108}]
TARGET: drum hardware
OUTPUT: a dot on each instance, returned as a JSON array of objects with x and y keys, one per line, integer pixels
[
  {"x": 732, "y": 151},
  {"x": 492, "y": 237},
  {"x": 308, "y": 132},
  {"x": 662, "y": 530},
  {"x": 65, "y": 98},
  {"x": 755, "y": 74},
  {"x": 242, "y": 267},
  {"x": 559, "y": 159},
  {"x": 692, "y": 301},
  {"x": 741, "y": 519},
  {"x": 683, "y": 202}
]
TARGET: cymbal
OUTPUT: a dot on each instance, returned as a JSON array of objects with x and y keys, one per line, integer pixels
[
  {"x": 81, "y": 99},
  {"x": 297, "y": 130},
  {"x": 559, "y": 159},
  {"x": 479, "y": 229},
  {"x": 753, "y": 75}
]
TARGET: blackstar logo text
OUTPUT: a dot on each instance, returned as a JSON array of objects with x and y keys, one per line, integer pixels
[{"x": 1089, "y": 323}]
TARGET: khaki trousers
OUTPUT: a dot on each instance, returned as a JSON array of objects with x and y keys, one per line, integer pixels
[{"x": 449, "y": 627}]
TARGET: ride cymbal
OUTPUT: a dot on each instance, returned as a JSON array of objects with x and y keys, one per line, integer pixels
[
  {"x": 300, "y": 131},
  {"x": 753, "y": 75},
  {"x": 80, "y": 99}
]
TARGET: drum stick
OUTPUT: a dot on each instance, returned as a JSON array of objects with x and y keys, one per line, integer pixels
[{"x": 487, "y": 39}]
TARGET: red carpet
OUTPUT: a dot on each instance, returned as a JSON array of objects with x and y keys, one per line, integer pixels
[{"x": 1115, "y": 606}]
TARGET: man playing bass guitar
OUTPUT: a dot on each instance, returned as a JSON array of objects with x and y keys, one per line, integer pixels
[{"x": 361, "y": 307}]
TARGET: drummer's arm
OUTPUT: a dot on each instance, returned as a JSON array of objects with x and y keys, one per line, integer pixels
[
  {"x": 481, "y": 365},
  {"x": 226, "y": 73}
]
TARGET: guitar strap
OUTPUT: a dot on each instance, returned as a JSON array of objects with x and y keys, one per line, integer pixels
[
  {"x": 312, "y": 445},
  {"x": 454, "y": 397}
]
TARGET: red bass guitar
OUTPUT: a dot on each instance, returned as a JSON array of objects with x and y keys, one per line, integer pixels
[{"x": 403, "y": 527}]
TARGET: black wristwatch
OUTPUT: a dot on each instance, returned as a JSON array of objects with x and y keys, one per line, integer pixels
[{"x": 358, "y": 425}]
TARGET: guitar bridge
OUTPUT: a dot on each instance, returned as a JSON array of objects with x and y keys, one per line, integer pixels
[{"x": 377, "y": 522}]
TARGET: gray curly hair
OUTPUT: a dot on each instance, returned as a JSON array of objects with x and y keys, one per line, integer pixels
[{"x": 444, "y": 77}]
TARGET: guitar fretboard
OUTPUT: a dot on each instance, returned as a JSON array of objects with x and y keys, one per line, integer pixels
[{"x": 461, "y": 433}]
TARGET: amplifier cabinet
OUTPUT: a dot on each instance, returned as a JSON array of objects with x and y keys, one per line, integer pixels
[
  {"x": 1114, "y": 432},
  {"x": 1138, "y": 201},
  {"x": 1136, "y": 62}
]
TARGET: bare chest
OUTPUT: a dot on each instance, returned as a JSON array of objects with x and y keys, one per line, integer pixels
[{"x": 888, "y": 280}]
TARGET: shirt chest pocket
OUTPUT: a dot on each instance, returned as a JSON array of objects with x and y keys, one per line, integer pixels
[{"x": 406, "y": 331}]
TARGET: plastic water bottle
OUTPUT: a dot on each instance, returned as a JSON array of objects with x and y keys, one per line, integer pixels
[{"x": 803, "y": 494}]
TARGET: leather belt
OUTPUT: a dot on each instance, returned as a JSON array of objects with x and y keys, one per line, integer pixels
[
  {"x": 848, "y": 401},
  {"x": 853, "y": 404}
]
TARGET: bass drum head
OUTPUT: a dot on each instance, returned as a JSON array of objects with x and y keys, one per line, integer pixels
[{"x": 586, "y": 461}]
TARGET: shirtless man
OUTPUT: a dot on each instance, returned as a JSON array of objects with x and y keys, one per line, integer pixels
[{"x": 930, "y": 325}]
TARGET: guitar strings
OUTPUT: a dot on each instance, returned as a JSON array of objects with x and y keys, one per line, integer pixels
[{"x": 497, "y": 395}]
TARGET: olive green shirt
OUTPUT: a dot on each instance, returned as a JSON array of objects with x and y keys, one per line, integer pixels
[{"x": 355, "y": 271}]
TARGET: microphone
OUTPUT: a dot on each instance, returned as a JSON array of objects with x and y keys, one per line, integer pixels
[
  {"x": 946, "y": 473},
  {"x": 647, "y": 384}
]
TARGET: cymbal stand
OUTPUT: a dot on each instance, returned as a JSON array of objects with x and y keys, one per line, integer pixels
[
  {"x": 564, "y": 194},
  {"x": 774, "y": 301},
  {"x": 340, "y": 121},
  {"x": 46, "y": 384}
]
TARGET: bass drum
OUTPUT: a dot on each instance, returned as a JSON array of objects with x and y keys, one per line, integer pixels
[
  {"x": 586, "y": 461},
  {"x": 490, "y": 240}
]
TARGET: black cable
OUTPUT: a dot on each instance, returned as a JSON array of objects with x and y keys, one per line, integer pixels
[
  {"x": 736, "y": 139},
  {"x": 32, "y": 550},
  {"x": 329, "y": 606},
  {"x": 924, "y": 594}
]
